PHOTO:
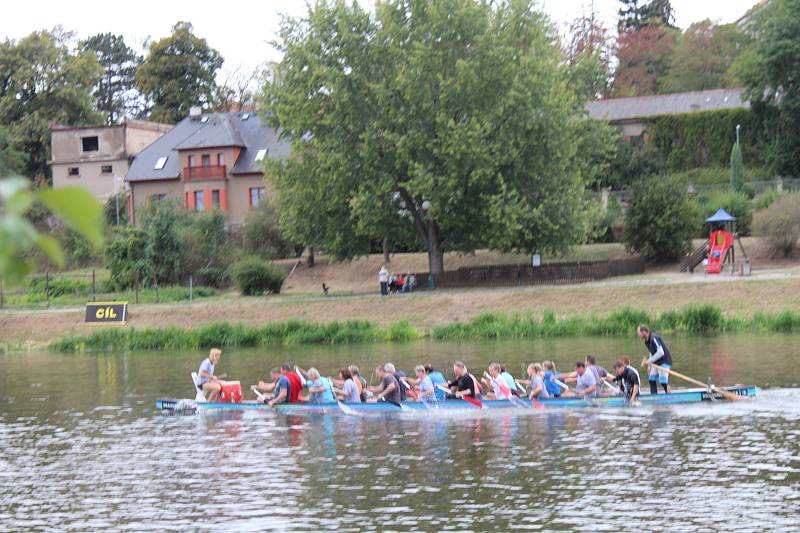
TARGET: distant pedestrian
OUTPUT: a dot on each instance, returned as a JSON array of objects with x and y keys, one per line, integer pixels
[{"x": 383, "y": 280}]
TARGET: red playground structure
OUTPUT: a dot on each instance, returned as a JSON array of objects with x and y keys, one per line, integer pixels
[
  {"x": 718, "y": 251},
  {"x": 720, "y": 245}
]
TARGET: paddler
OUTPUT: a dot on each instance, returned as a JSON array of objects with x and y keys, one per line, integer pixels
[
  {"x": 495, "y": 381},
  {"x": 389, "y": 388},
  {"x": 465, "y": 383},
  {"x": 319, "y": 388},
  {"x": 627, "y": 380},
  {"x": 207, "y": 382},
  {"x": 295, "y": 381},
  {"x": 659, "y": 354},
  {"x": 586, "y": 384}
]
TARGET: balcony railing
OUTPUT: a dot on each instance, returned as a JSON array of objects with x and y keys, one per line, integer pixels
[{"x": 215, "y": 171}]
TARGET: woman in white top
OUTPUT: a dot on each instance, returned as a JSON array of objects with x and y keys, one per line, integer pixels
[{"x": 426, "y": 391}]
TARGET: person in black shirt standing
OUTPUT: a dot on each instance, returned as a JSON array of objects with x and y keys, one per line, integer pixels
[
  {"x": 465, "y": 383},
  {"x": 659, "y": 354},
  {"x": 627, "y": 380}
]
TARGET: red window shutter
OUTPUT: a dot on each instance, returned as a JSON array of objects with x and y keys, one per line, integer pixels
[
  {"x": 223, "y": 200},
  {"x": 186, "y": 200},
  {"x": 130, "y": 206},
  {"x": 208, "y": 201},
  {"x": 249, "y": 197},
  {"x": 190, "y": 203}
]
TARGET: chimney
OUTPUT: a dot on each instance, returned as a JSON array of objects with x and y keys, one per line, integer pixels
[{"x": 195, "y": 112}]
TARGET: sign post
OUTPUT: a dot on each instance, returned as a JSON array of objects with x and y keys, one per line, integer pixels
[{"x": 106, "y": 312}]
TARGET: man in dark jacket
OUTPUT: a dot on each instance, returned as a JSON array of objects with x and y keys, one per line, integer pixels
[{"x": 659, "y": 354}]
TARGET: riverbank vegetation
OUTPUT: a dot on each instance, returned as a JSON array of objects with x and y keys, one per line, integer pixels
[{"x": 697, "y": 319}]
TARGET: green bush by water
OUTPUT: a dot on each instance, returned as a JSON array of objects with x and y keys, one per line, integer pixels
[
  {"x": 227, "y": 335},
  {"x": 695, "y": 319},
  {"x": 698, "y": 319}
]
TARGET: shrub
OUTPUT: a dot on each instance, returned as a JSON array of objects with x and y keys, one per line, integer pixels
[
  {"x": 780, "y": 224},
  {"x": 110, "y": 210},
  {"x": 660, "y": 222},
  {"x": 765, "y": 199},
  {"x": 261, "y": 235},
  {"x": 735, "y": 203},
  {"x": 255, "y": 276}
]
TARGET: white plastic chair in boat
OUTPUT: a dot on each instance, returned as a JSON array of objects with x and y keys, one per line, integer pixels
[{"x": 199, "y": 397}]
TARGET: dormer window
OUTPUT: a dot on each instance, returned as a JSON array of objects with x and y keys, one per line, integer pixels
[{"x": 160, "y": 163}]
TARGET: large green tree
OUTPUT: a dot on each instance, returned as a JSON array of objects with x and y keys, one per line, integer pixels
[
  {"x": 115, "y": 92},
  {"x": 179, "y": 72},
  {"x": 703, "y": 56},
  {"x": 460, "y": 110},
  {"x": 771, "y": 71},
  {"x": 43, "y": 82}
]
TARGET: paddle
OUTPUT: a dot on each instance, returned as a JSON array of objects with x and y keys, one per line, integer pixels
[
  {"x": 300, "y": 375},
  {"x": 561, "y": 384},
  {"x": 261, "y": 397},
  {"x": 516, "y": 401},
  {"x": 725, "y": 394},
  {"x": 344, "y": 408},
  {"x": 467, "y": 399}
]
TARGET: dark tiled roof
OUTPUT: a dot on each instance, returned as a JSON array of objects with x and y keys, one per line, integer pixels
[
  {"x": 220, "y": 129},
  {"x": 618, "y": 109}
]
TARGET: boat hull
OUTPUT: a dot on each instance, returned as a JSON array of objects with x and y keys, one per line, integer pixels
[{"x": 678, "y": 397}]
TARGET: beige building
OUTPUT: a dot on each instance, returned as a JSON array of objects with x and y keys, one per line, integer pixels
[
  {"x": 207, "y": 161},
  {"x": 94, "y": 157}
]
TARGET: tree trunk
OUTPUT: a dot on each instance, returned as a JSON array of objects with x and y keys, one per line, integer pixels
[
  {"x": 435, "y": 254},
  {"x": 311, "y": 260},
  {"x": 386, "y": 258}
]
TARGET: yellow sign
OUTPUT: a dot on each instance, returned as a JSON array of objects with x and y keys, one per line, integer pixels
[{"x": 106, "y": 312}]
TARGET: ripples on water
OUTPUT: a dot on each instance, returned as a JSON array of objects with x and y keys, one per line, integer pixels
[
  {"x": 722, "y": 466},
  {"x": 83, "y": 449}
]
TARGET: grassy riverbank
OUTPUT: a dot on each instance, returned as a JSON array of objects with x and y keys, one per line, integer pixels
[{"x": 702, "y": 319}]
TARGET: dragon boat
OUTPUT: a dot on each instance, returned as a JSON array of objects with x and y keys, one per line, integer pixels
[{"x": 681, "y": 396}]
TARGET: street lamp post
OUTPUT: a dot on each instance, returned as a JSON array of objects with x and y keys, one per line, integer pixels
[{"x": 116, "y": 196}]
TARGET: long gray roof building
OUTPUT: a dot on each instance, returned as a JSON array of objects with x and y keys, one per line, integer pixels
[{"x": 640, "y": 107}]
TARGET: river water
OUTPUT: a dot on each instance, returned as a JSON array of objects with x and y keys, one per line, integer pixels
[{"x": 82, "y": 448}]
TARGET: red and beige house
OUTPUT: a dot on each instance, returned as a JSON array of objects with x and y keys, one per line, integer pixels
[{"x": 207, "y": 161}]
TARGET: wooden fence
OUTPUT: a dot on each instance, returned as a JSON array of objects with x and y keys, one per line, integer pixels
[{"x": 520, "y": 275}]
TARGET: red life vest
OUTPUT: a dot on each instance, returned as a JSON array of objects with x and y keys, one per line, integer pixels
[{"x": 295, "y": 386}]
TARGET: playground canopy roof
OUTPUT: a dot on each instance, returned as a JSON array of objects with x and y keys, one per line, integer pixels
[{"x": 721, "y": 216}]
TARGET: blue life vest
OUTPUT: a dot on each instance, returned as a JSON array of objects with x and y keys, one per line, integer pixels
[
  {"x": 438, "y": 379},
  {"x": 552, "y": 387}
]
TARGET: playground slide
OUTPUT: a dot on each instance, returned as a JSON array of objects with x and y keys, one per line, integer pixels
[{"x": 720, "y": 242}]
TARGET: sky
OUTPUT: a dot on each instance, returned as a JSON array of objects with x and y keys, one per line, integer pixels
[{"x": 242, "y": 31}]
